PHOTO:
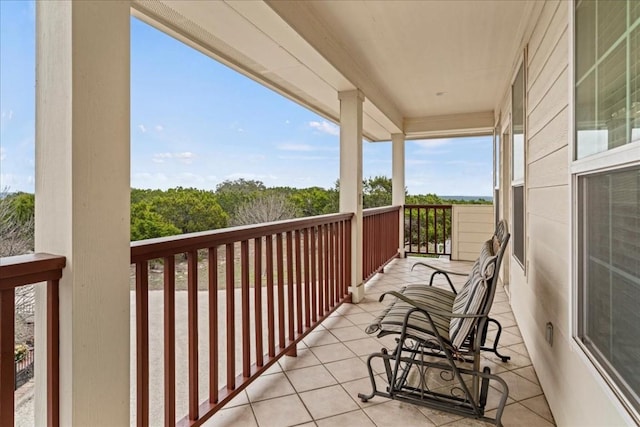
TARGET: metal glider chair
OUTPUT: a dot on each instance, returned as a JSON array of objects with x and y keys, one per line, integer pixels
[
  {"x": 500, "y": 233},
  {"x": 436, "y": 361}
]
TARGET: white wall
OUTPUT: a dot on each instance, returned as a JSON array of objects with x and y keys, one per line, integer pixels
[
  {"x": 471, "y": 225},
  {"x": 576, "y": 393}
]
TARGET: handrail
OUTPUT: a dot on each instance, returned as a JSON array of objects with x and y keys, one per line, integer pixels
[
  {"x": 19, "y": 271},
  {"x": 380, "y": 210},
  {"x": 163, "y": 246}
]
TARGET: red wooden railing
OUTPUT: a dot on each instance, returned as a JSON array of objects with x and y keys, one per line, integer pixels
[
  {"x": 15, "y": 272},
  {"x": 427, "y": 228},
  {"x": 304, "y": 278},
  {"x": 380, "y": 228}
]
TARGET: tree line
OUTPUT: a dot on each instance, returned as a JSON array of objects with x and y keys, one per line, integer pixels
[{"x": 160, "y": 213}]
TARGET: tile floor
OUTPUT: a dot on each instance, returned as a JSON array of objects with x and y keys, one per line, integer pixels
[{"x": 320, "y": 386}]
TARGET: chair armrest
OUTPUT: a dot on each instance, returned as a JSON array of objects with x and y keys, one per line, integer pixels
[{"x": 440, "y": 270}]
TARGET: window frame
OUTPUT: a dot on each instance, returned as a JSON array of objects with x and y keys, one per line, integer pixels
[
  {"x": 611, "y": 160},
  {"x": 517, "y": 183}
]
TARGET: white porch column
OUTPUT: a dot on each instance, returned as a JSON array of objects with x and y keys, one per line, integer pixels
[
  {"x": 351, "y": 180},
  {"x": 82, "y": 203},
  {"x": 397, "y": 181}
]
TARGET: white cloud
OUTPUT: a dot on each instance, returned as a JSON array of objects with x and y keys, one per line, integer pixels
[
  {"x": 142, "y": 128},
  {"x": 8, "y": 115},
  {"x": 325, "y": 158},
  {"x": 304, "y": 148},
  {"x": 249, "y": 175},
  {"x": 3, "y": 154},
  {"x": 428, "y": 144},
  {"x": 417, "y": 162},
  {"x": 159, "y": 128},
  {"x": 185, "y": 157},
  {"x": 325, "y": 127}
]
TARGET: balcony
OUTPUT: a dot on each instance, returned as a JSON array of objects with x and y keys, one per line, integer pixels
[{"x": 279, "y": 342}]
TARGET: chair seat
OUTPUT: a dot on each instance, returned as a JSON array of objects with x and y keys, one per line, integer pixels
[{"x": 390, "y": 321}]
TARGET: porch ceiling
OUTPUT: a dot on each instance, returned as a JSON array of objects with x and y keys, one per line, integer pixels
[{"x": 401, "y": 54}]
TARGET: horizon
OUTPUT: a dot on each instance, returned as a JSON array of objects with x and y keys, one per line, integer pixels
[{"x": 196, "y": 123}]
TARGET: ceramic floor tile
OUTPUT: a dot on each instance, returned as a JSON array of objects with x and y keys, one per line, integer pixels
[
  {"x": 527, "y": 372},
  {"x": 317, "y": 338},
  {"x": 394, "y": 413},
  {"x": 363, "y": 386},
  {"x": 269, "y": 386},
  {"x": 310, "y": 378},
  {"x": 365, "y": 346},
  {"x": 518, "y": 415},
  {"x": 332, "y": 352},
  {"x": 349, "y": 333},
  {"x": 360, "y": 318},
  {"x": 350, "y": 419},
  {"x": 281, "y": 412},
  {"x": 236, "y": 416},
  {"x": 304, "y": 359},
  {"x": 328, "y": 401},
  {"x": 336, "y": 322},
  {"x": 519, "y": 387},
  {"x": 347, "y": 309},
  {"x": 540, "y": 406},
  {"x": 348, "y": 369}
]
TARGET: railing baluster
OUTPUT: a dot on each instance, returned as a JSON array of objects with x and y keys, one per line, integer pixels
[
  {"x": 327, "y": 261},
  {"x": 7, "y": 368},
  {"x": 280, "y": 261},
  {"x": 270, "y": 300},
  {"x": 348, "y": 258},
  {"x": 257, "y": 304},
  {"x": 307, "y": 285},
  {"x": 298, "y": 282},
  {"x": 169, "y": 292},
  {"x": 142, "y": 343},
  {"x": 213, "y": 324},
  {"x": 53, "y": 353},
  {"x": 314, "y": 284},
  {"x": 231, "y": 318},
  {"x": 320, "y": 283},
  {"x": 192, "y": 311},
  {"x": 246, "y": 329},
  {"x": 332, "y": 272},
  {"x": 290, "y": 286}
]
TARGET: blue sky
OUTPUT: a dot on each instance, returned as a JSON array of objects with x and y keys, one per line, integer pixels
[{"x": 196, "y": 123}]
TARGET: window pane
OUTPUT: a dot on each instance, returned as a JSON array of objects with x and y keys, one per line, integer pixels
[
  {"x": 518, "y": 223},
  {"x": 610, "y": 252},
  {"x": 585, "y": 37},
  {"x": 634, "y": 83},
  {"x": 612, "y": 23},
  {"x": 612, "y": 99},
  {"x": 517, "y": 122},
  {"x": 589, "y": 138}
]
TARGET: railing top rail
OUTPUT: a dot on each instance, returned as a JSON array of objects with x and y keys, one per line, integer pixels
[
  {"x": 166, "y": 246},
  {"x": 380, "y": 210},
  {"x": 428, "y": 206},
  {"x": 31, "y": 268}
]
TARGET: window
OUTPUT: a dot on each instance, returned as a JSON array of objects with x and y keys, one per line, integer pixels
[
  {"x": 607, "y": 169},
  {"x": 518, "y": 163}
]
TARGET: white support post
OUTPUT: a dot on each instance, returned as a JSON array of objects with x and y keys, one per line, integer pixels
[
  {"x": 398, "y": 183},
  {"x": 351, "y": 180},
  {"x": 82, "y": 204}
]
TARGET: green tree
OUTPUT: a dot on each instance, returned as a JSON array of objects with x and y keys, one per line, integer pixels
[
  {"x": 231, "y": 194},
  {"x": 190, "y": 209},
  {"x": 147, "y": 224},
  {"x": 314, "y": 201}
]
